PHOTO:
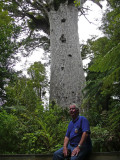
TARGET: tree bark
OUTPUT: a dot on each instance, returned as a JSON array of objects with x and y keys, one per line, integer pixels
[{"x": 67, "y": 76}]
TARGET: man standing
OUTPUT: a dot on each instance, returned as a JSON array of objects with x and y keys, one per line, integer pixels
[{"x": 77, "y": 139}]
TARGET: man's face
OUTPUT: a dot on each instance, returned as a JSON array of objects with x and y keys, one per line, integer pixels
[{"x": 73, "y": 111}]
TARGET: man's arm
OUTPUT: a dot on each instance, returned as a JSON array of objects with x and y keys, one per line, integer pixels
[
  {"x": 77, "y": 149},
  {"x": 65, "y": 151},
  {"x": 83, "y": 138}
]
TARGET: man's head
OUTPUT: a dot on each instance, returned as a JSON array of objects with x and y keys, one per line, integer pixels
[{"x": 74, "y": 111}]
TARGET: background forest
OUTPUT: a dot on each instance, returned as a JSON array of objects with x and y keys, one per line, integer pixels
[{"x": 26, "y": 126}]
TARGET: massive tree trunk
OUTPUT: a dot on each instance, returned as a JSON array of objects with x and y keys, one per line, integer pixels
[
  {"x": 67, "y": 76},
  {"x": 59, "y": 18}
]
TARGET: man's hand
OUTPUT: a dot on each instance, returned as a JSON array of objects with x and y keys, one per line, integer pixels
[
  {"x": 65, "y": 151},
  {"x": 75, "y": 151}
]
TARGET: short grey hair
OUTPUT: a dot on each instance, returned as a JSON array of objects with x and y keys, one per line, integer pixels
[{"x": 76, "y": 106}]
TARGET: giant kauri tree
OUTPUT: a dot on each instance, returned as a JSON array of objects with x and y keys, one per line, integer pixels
[{"x": 58, "y": 20}]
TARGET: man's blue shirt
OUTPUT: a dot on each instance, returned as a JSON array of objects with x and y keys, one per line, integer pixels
[{"x": 75, "y": 130}]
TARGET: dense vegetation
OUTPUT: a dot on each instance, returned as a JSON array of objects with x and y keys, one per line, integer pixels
[
  {"x": 26, "y": 126},
  {"x": 38, "y": 131},
  {"x": 102, "y": 92},
  {"x": 8, "y": 47}
]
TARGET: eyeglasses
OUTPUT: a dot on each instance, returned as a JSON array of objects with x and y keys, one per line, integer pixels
[{"x": 72, "y": 108}]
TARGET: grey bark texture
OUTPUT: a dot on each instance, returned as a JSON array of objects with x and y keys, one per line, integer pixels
[{"x": 67, "y": 76}]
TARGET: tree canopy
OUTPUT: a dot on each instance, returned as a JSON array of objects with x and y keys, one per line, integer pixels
[{"x": 33, "y": 18}]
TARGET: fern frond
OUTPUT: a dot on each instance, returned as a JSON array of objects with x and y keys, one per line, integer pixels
[
  {"x": 108, "y": 62},
  {"x": 112, "y": 78}
]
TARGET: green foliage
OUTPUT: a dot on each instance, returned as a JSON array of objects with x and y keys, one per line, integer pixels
[
  {"x": 8, "y": 132},
  {"x": 38, "y": 78},
  {"x": 102, "y": 91},
  {"x": 40, "y": 131},
  {"x": 77, "y": 3},
  {"x": 111, "y": 21},
  {"x": 8, "y": 46},
  {"x": 106, "y": 135},
  {"x": 37, "y": 19},
  {"x": 114, "y": 119},
  {"x": 99, "y": 136},
  {"x": 21, "y": 93},
  {"x": 28, "y": 91}
]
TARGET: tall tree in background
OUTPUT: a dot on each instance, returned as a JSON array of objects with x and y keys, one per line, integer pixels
[
  {"x": 67, "y": 76},
  {"x": 28, "y": 92},
  {"x": 38, "y": 78},
  {"x": 58, "y": 20}
]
